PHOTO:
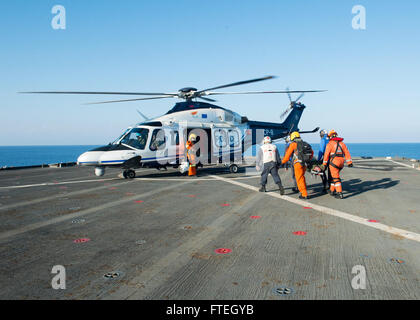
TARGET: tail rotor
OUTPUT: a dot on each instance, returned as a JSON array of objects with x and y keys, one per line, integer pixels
[{"x": 292, "y": 103}]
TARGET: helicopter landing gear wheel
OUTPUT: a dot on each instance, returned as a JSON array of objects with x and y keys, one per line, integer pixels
[
  {"x": 129, "y": 174},
  {"x": 233, "y": 168}
]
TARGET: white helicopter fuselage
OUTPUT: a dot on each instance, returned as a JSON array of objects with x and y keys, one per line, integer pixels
[{"x": 161, "y": 141}]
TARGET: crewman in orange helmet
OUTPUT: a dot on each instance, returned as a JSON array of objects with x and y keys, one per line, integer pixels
[
  {"x": 298, "y": 164},
  {"x": 337, "y": 154},
  {"x": 191, "y": 155}
]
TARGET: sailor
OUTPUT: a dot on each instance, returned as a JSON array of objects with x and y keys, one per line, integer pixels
[
  {"x": 290, "y": 164},
  {"x": 191, "y": 155},
  {"x": 141, "y": 140},
  {"x": 298, "y": 163},
  {"x": 336, "y": 154},
  {"x": 269, "y": 161},
  {"x": 322, "y": 145}
]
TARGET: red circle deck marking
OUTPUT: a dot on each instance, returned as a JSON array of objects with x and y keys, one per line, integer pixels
[
  {"x": 373, "y": 221},
  {"x": 223, "y": 251},
  {"x": 307, "y": 208},
  {"x": 300, "y": 233},
  {"x": 225, "y": 205},
  {"x": 395, "y": 260},
  {"x": 113, "y": 188},
  {"x": 255, "y": 217},
  {"x": 82, "y": 240},
  {"x": 139, "y": 201}
]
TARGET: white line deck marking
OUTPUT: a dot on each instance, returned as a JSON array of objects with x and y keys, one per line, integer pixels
[
  {"x": 111, "y": 179},
  {"x": 403, "y": 164},
  {"x": 57, "y": 183},
  {"x": 395, "y": 231},
  {"x": 194, "y": 179},
  {"x": 65, "y": 182}
]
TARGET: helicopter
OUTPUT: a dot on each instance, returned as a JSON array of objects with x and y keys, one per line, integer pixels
[{"x": 222, "y": 134}]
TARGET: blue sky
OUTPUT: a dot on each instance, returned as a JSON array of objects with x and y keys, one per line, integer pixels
[{"x": 372, "y": 75}]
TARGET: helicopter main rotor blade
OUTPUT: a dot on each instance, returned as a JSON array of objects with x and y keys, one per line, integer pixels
[
  {"x": 206, "y": 99},
  {"x": 102, "y": 92},
  {"x": 141, "y": 114},
  {"x": 129, "y": 100},
  {"x": 289, "y": 95},
  {"x": 285, "y": 113},
  {"x": 264, "y": 92},
  {"x": 236, "y": 84},
  {"x": 300, "y": 97}
]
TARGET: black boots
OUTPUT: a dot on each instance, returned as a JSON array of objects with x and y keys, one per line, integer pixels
[
  {"x": 339, "y": 195},
  {"x": 281, "y": 189},
  {"x": 295, "y": 190},
  {"x": 302, "y": 197}
]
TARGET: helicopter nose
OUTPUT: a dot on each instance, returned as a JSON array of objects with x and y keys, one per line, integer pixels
[
  {"x": 116, "y": 157},
  {"x": 90, "y": 158}
]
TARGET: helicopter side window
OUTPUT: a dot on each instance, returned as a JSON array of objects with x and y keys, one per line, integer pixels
[
  {"x": 228, "y": 116},
  {"x": 220, "y": 138},
  {"x": 158, "y": 140},
  {"x": 233, "y": 138},
  {"x": 137, "y": 138}
]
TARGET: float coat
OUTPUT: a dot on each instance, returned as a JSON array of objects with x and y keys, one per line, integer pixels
[
  {"x": 192, "y": 170},
  {"x": 336, "y": 153}
]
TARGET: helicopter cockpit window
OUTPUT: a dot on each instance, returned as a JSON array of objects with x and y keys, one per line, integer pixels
[
  {"x": 158, "y": 140},
  {"x": 121, "y": 136},
  {"x": 136, "y": 138}
]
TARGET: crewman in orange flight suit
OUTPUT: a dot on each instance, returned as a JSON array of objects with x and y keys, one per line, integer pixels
[
  {"x": 298, "y": 165},
  {"x": 335, "y": 153},
  {"x": 192, "y": 170}
]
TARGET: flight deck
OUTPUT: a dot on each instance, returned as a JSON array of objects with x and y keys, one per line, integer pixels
[{"x": 165, "y": 236}]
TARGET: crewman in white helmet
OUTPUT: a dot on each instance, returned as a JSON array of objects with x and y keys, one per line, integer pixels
[{"x": 269, "y": 161}]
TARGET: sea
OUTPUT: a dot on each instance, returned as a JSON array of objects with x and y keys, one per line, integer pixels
[{"x": 18, "y": 156}]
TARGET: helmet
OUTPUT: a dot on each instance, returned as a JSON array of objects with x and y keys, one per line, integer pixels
[
  {"x": 322, "y": 133},
  {"x": 294, "y": 135},
  {"x": 267, "y": 140},
  {"x": 332, "y": 133},
  {"x": 193, "y": 137}
]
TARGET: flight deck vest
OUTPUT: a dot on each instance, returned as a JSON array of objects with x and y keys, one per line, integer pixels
[{"x": 269, "y": 153}]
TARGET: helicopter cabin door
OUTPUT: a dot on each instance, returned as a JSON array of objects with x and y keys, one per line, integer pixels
[{"x": 204, "y": 139}]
